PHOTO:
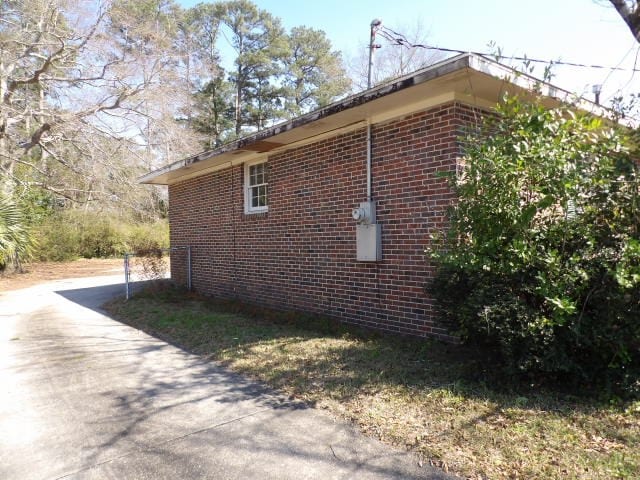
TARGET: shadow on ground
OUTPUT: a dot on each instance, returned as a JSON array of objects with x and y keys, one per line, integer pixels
[
  {"x": 94, "y": 297},
  {"x": 167, "y": 409}
]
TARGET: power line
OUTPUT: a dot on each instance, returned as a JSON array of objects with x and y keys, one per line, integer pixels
[
  {"x": 635, "y": 63},
  {"x": 620, "y": 63},
  {"x": 399, "y": 39}
]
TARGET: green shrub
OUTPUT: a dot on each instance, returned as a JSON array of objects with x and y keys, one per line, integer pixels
[
  {"x": 147, "y": 236},
  {"x": 541, "y": 265},
  {"x": 102, "y": 237},
  {"x": 58, "y": 239},
  {"x": 16, "y": 241},
  {"x": 72, "y": 234}
]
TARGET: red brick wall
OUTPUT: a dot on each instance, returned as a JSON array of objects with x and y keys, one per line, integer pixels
[{"x": 300, "y": 255}]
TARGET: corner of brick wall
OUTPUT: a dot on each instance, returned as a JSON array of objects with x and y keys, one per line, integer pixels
[{"x": 300, "y": 255}]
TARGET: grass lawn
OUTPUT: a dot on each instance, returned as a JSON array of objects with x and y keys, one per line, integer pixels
[{"x": 406, "y": 392}]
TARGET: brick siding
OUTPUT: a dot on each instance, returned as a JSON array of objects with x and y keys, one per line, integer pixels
[{"x": 300, "y": 255}]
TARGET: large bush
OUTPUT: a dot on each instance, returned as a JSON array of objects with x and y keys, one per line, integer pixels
[
  {"x": 16, "y": 241},
  {"x": 541, "y": 265},
  {"x": 71, "y": 234}
]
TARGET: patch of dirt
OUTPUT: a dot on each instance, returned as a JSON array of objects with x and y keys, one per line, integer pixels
[{"x": 35, "y": 273}]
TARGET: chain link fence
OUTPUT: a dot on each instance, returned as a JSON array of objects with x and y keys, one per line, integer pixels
[{"x": 145, "y": 267}]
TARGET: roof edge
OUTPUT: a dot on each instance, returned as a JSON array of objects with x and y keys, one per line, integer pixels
[
  {"x": 432, "y": 71},
  {"x": 459, "y": 62}
]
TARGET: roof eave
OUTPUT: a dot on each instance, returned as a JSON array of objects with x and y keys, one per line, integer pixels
[
  {"x": 434, "y": 71},
  {"x": 466, "y": 61}
]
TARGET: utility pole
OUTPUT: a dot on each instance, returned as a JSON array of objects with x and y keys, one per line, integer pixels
[{"x": 375, "y": 25}]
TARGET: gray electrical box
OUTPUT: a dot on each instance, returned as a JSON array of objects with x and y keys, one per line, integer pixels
[
  {"x": 369, "y": 242},
  {"x": 368, "y": 233}
]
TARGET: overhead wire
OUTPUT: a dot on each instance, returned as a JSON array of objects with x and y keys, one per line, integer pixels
[
  {"x": 401, "y": 40},
  {"x": 603, "y": 83},
  {"x": 633, "y": 72}
]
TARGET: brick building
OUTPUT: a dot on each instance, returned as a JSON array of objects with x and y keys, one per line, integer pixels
[{"x": 283, "y": 218}]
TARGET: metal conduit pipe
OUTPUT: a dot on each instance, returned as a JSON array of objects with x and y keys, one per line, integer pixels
[
  {"x": 368, "y": 232},
  {"x": 368, "y": 161},
  {"x": 375, "y": 25}
]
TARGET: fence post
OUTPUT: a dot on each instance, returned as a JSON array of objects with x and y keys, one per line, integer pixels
[
  {"x": 126, "y": 275},
  {"x": 189, "y": 267}
]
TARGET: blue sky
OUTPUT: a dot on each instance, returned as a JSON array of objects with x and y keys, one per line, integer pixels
[{"x": 581, "y": 31}]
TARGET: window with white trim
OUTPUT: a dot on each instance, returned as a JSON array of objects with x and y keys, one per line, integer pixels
[{"x": 256, "y": 183}]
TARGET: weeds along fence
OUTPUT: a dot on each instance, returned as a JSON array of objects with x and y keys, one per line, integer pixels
[{"x": 154, "y": 265}]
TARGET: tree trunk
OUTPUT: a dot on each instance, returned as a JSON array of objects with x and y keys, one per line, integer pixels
[
  {"x": 238, "y": 102},
  {"x": 6, "y": 159},
  {"x": 631, "y": 16}
]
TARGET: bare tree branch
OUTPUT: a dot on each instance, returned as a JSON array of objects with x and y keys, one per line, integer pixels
[{"x": 36, "y": 137}]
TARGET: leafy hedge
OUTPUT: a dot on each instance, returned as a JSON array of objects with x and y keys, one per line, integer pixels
[
  {"x": 71, "y": 234},
  {"x": 541, "y": 265}
]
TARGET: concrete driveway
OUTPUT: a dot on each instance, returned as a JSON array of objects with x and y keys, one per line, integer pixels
[{"x": 85, "y": 397}]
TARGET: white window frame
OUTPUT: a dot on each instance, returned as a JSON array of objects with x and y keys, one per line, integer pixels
[{"x": 247, "y": 188}]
